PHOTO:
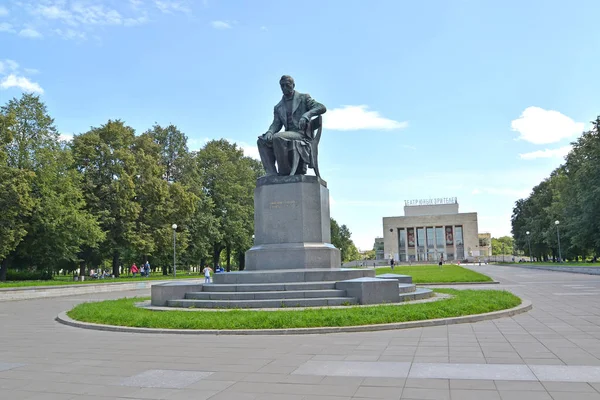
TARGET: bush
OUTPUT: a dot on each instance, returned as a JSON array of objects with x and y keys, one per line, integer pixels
[{"x": 12, "y": 275}]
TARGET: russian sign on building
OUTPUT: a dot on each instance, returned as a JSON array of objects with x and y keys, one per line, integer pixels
[{"x": 431, "y": 202}]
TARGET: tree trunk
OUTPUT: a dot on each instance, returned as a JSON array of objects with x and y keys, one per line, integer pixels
[
  {"x": 115, "y": 264},
  {"x": 217, "y": 248},
  {"x": 165, "y": 270},
  {"x": 228, "y": 254},
  {"x": 81, "y": 268},
  {"x": 3, "y": 269}
]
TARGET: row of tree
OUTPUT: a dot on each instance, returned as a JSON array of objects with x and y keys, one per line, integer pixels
[
  {"x": 571, "y": 196},
  {"x": 110, "y": 197}
]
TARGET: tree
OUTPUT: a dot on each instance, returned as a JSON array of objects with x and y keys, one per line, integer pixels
[
  {"x": 228, "y": 179},
  {"x": 173, "y": 150},
  {"x": 15, "y": 198},
  {"x": 105, "y": 158},
  {"x": 502, "y": 245},
  {"x": 57, "y": 225},
  {"x": 341, "y": 239}
]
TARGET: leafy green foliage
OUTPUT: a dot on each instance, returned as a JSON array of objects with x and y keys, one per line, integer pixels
[
  {"x": 570, "y": 195},
  {"x": 110, "y": 197},
  {"x": 341, "y": 239}
]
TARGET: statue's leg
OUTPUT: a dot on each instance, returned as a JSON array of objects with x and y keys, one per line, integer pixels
[
  {"x": 267, "y": 156},
  {"x": 282, "y": 154}
]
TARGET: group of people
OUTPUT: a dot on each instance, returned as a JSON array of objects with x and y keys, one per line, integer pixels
[
  {"x": 144, "y": 270},
  {"x": 100, "y": 274}
]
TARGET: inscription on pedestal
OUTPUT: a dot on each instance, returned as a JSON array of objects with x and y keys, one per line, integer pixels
[{"x": 282, "y": 204}]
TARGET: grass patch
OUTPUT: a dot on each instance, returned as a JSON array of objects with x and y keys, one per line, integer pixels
[
  {"x": 68, "y": 280},
  {"x": 435, "y": 274},
  {"x": 123, "y": 312}
]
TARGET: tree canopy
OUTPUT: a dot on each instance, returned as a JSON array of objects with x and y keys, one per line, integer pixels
[
  {"x": 571, "y": 196},
  {"x": 109, "y": 197}
]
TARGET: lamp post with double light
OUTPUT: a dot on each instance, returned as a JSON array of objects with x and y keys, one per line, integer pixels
[
  {"x": 558, "y": 237},
  {"x": 529, "y": 243},
  {"x": 174, "y": 226}
]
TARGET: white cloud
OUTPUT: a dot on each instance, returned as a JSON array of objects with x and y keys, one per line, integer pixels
[
  {"x": 8, "y": 65},
  {"x": 220, "y": 25},
  {"x": 6, "y": 27},
  {"x": 30, "y": 33},
  {"x": 65, "y": 137},
  {"x": 70, "y": 34},
  {"x": 250, "y": 150},
  {"x": 539, "y": 126},
  {"x": 169, "y": 7},
  {"x": 352, "y": 118},
  {"x": 3, "y": 11},
  {"x": 20, "y": 82},
  {"x": 547, "y": 153},
  {"x": 31, "y": 71},
  {"x": 476, "y": 191}
]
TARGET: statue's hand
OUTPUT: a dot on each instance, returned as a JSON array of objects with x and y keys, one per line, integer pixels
[
  {"x": 303, "y": 123},
  {"x": 268, "y": 136}
]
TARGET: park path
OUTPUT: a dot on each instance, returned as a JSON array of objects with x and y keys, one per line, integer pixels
[{"x": 551, "y": 352}]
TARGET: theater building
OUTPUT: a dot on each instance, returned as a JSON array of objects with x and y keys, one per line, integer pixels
[{"x": 431, "y": 229}]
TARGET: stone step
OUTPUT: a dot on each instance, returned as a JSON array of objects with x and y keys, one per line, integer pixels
[
  {"x": 418, "y": 294},
  {"x": 292, "y": 275},
  {"x": 265, "y": 295},
  {"x": 406, "y": 287},
  {"x": 267, "y": 287},
  {"x": 398, "y": 277},
  {"x": 265, "y": 303}
]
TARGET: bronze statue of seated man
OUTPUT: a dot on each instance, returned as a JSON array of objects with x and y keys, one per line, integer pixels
[{"x": 293, "y": 112}]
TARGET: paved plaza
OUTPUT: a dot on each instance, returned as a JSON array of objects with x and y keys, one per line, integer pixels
[{"x": 551, "y": 352}]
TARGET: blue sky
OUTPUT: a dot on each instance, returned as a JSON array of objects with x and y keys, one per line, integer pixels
[{"x": 473, "y": 99}]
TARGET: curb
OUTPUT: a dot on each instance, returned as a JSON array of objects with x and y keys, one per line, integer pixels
[
  {"x": 458, "y": 283},
  {"x": 522, "y": 308},
  {"x": 572, "y": 270}
]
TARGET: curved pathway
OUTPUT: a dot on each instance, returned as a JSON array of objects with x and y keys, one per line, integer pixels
[{"x": 552, "y": 352}]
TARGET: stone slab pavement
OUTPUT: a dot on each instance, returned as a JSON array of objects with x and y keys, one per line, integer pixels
[{"x": 552, "y": 352}]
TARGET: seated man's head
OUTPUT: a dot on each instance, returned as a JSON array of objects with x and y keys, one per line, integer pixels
[{"x": 287, "y": 85}]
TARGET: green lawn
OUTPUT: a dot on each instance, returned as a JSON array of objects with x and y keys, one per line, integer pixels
[
  {"x": 68, "y": 280},
  {"x": 435, "y": 274},
  {"x": 123, "y": 312}
]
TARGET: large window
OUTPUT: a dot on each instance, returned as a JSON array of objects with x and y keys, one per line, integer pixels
[
  {"x": 440, "y": 240},
  {"x": 430, "y": 238},
  {"x": 402, "y": 244},
  {"x": 421, "y": 244}
]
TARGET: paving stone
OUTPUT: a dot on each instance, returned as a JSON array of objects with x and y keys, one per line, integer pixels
[{"x": 164, "y": 379}]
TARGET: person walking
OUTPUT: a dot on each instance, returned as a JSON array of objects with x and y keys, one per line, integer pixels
[
  {"x": 134, "y": 270},
  {"x": 441, "y": 261},
  {"x": 392, "y": 263}
]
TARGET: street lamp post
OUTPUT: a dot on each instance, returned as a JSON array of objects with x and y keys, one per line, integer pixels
[
  {"x": 174, "y": 226},
  {"x": 529, "y": 243},
  {"x": 558, "y": 237},
  {"x": 502, "y": 252}
]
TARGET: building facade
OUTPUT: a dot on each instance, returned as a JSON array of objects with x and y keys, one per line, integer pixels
[{"x": 430, "y": 230}]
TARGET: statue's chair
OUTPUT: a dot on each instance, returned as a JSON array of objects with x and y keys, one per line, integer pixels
[{"x": 313, "y": 131}]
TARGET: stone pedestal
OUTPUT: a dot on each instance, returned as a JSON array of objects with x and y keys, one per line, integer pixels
[{"x": 292, "y": 225}]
